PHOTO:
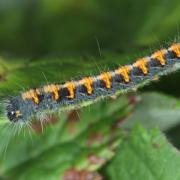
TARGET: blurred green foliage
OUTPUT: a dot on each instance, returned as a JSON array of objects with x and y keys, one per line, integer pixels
[{"x": 46, "y": 26}]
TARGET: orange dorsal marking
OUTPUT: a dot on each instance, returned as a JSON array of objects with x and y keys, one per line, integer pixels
[
  {"x": 71, "y": 87},
  {"x": 52, "y": 88},
  {"x": 175, "y": 48},
  {"x": 124, "y": 71},
  {"x": 31, "y": 94},
  {"x": 106, "y": 77},
  {"x": 87, "y": 82},
  {"x": 142, "y": 64},
  {"x": 160, "y": 56}
]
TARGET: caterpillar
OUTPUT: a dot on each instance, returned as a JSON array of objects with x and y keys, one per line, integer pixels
[{"x": 57, "y": 97}]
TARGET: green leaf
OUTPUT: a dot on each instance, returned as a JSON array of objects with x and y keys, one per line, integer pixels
[
  {"x": 70, "y": 142},
  {"x": 155, "y": 110},
  {"x": 145, "y": 155},
  {"x": 19, "y": 74},
  {"x": 72, "y": 139}
]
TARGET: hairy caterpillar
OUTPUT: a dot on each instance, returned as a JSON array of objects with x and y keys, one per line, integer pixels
[{"x": 57, "y": 97}]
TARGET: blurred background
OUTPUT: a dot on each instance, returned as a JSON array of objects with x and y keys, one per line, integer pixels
[{"x": 30, "y": 27}]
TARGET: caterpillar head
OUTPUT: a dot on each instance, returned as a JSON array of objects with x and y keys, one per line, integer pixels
[{"x": 13, "y": 111}]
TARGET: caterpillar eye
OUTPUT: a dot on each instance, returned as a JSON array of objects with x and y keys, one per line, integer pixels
[
  {"x": 13, "y": 110},
  {"x": 12, "y": 115}
]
